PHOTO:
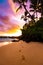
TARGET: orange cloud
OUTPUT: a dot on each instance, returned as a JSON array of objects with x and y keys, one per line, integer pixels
[
  {"x": 13, "y": 29},
  {"x": 7, "y": 27},
  {"x": 14, "y": 7}
]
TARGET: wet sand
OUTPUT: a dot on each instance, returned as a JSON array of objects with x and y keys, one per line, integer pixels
[{"x": 22, "y": 53}]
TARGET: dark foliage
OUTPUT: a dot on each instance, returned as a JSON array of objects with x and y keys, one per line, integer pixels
[
  {"x": 22, "y": 4},
  {"x": 37, "y": 5},
  {"x": 34, "y": 32}
]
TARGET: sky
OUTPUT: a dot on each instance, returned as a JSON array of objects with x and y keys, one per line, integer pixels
[{"x": 10, "y": 20}]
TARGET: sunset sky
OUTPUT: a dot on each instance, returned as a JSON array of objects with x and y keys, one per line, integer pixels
[{"x": 10, "y": 22}]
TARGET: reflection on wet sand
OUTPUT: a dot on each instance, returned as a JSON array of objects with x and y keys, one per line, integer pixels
[
  {"x": 4, "y": 43},
  {"x": 5, "y": 40}
]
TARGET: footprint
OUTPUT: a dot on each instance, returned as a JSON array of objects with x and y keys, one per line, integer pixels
[
  {"x": 22, "y": 47},
  {"x": 23, "y": 57},
  {"x": 19, "y": 50}
]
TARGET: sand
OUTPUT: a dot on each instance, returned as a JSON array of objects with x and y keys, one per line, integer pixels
[{"x": 22, "y": 53}]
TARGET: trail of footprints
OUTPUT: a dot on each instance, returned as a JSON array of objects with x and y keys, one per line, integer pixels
[{"x": 22, "y": 56}]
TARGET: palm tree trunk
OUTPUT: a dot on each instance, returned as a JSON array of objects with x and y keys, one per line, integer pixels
[
  {"x": 26, "y": 9},
  {"x": 41, "y": 13},
  {"x": 36, "y": 14}
]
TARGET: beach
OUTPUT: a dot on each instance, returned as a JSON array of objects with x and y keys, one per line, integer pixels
[{"x": 21, "y": 53}]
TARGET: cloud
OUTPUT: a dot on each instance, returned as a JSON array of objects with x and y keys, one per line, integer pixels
[
  {"x": 8, "y": 28},
  {"x": 6, "y": 25}
]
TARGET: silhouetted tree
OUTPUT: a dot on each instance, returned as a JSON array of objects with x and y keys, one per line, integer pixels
[
  {"x": 37, "y": 5},
  {"x": 26, "y": 13}
]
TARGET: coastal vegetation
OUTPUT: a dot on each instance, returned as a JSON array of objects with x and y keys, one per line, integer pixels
[{"x": 33, "y": 30}]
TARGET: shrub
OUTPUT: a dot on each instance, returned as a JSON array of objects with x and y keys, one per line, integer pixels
[{"x": 34, "y": 32}]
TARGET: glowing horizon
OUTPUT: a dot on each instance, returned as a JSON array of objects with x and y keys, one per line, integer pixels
[{"x": 10, "y": 20}]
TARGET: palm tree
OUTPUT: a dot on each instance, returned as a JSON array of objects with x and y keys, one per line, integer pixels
[
  {"x": 26, "y": 13},
  {"x": 37, "y": 6},
  {"x": 41, "y": 6},
  {"x": 21, "y": 3},
  {"x": 34, "y": 7}
]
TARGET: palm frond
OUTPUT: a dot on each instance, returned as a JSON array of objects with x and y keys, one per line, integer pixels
[{"x": 19, "y": 8}]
